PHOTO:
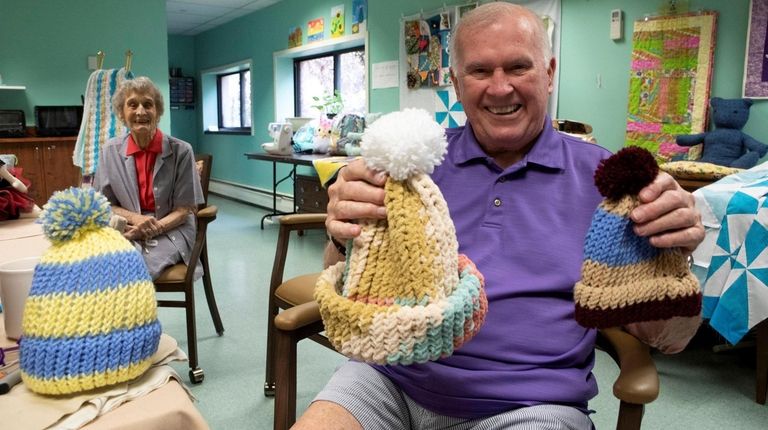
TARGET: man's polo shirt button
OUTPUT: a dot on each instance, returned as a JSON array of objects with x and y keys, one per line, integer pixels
[{"x": 497, "y": 202}]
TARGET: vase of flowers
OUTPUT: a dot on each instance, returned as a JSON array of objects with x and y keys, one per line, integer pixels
[{"x": 329, "y": 104}]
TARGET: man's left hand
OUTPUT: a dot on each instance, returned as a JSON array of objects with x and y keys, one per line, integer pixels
[{"x": 667, "y": 215}]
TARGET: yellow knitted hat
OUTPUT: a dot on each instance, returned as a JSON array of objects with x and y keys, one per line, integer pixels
[{"x": 404, "y": 295}]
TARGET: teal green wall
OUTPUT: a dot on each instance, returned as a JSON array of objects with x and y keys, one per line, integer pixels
[
  {"x": 384, "y": 37},
  {"x": 587, "y": 51},
  {"x": 181, "y": 54},
  {"x": 44, "y": 45},
  {"x": 255, "y": 37}
]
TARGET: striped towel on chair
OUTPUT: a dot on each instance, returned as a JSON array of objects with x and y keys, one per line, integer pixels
[{"x": 99, "y": 122}]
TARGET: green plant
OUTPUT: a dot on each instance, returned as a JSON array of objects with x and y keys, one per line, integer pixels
[{"x": 330, "y": 104}]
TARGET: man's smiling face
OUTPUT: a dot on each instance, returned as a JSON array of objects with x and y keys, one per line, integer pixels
[{"x": 503, "y": 86}]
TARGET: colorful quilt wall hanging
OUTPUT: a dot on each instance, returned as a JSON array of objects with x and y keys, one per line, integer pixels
[
  {"x": 426, "y": 48},
  {"x": 669, "y": 84}
]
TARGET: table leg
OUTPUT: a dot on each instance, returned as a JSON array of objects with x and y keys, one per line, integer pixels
[{"x": 275, "y": 183}]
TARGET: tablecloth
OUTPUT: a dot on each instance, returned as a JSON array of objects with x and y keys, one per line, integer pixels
[
  {"x": 732, "y": 262},
  {"x": 165, "y": 406}
]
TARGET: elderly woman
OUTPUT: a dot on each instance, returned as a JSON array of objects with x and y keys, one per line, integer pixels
[{"x": 150, "y": 179}]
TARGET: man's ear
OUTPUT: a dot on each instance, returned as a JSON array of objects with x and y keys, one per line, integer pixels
[
  {"x": 551, "y": 73},
  {"x": 456, "y": 86}
]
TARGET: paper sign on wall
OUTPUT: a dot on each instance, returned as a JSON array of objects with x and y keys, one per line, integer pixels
[{"x": 384, "y": 74}]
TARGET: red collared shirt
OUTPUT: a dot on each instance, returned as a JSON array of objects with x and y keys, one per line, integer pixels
[{"x": 145, "y": 168}]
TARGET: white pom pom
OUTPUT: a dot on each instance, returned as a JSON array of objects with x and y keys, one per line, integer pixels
[{"x": 404, "y": 143}]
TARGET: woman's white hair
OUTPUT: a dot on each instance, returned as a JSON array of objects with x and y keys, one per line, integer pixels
[
  {"x": 139, "y": 85},
  {"x": 490, "y": 13}
]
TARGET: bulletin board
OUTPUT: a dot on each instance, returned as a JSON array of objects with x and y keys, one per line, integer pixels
[
  {"x": 434, "y": 92},
  {"x": 669, "y": 83}
]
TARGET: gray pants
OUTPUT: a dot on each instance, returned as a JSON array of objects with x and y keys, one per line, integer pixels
[{"x": 375, "y": 401}]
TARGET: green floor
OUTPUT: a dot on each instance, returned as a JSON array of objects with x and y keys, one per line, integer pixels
[{"x": 699, "y": 389}]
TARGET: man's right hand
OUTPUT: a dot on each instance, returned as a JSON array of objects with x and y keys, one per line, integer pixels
[{"x": 358, "y": 193}]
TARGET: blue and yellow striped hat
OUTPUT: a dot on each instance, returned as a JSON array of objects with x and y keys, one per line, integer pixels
[{"x": 91, "y": 316}]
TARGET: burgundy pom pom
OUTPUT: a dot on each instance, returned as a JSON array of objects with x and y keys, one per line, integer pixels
[{"x": 626, "y": 172}]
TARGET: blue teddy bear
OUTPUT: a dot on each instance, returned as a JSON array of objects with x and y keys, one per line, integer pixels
[{"x": 727, "y": 145}]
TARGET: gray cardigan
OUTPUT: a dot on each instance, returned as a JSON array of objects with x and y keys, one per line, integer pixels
[{"x": 175, "y": 184}]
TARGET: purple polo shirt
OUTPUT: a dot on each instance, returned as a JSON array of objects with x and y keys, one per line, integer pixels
[{"x": 524, "y": 227}]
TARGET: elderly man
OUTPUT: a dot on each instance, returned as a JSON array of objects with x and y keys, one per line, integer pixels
[{"x": 521, "y": 196}]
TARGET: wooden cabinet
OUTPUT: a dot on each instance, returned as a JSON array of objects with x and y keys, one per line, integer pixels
[
  {"x": 310, "y": 195},
  {"x": 47, "y": 163}
]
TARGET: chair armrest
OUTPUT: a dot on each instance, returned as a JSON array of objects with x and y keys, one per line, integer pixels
[
  {"x": 298, "y": 316},
  {"x": 638, "y": 380},
  {"x": 206, "y": 215},
  {"x": 208, "y": 212},
  {"x": 307, "y": 218}
]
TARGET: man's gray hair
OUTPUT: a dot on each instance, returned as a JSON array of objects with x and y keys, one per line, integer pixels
[
  {"x": 490, "y": 13},
  {"x": 139, "y": 85}
]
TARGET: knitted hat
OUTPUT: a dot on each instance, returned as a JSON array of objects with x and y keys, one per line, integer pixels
[
  {"x": 91, "y": 316},
  {"x": 404, "y": 295},
  {"x": 625, "y": 279}
]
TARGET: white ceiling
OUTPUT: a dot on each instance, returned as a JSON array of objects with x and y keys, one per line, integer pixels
[{"x": 190, "y": 17}]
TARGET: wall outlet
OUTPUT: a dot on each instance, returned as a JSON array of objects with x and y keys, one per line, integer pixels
[{"x": 617, "y": 24}]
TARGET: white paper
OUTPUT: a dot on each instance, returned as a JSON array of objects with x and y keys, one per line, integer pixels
[{"x": 384, "y": 75}]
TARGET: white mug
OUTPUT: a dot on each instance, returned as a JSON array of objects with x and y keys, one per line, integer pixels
[{"x": 15, "y": 283}]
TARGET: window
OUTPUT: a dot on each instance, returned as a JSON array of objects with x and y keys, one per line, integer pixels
[
  {"x": 318, "y": 75},
  {"x": 234, "y": 101}
]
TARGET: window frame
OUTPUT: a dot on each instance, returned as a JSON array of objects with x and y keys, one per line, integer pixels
[
  {"x": 220, "y": 117},
  {"x": 336, "y": 54}
]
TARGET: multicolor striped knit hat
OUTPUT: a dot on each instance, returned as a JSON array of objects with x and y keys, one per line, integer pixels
[
  {"x": 404, "y": 294},
  {"x": 625, "y": 279},
  {"x": 91, "y": 316}
]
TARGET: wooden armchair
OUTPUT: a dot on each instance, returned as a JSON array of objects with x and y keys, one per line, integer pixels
[
  {"x": 636, "y": 385},
  {"x": 179, "y": 278},
  {"x": 286, "y": 294}
]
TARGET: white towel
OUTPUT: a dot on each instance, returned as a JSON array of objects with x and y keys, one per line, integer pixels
[{"x": 99, "y": 122}]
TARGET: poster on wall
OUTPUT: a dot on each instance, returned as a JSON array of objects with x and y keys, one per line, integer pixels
[
  {"x": 756, "y": 61},
  {"x": 359, "y": 14},
  {"x": 315, "y": 30},
  {"x": 669, "y": 83},
  {"x": 294, "y": 37},
  {"x": 337, "y": 21}
]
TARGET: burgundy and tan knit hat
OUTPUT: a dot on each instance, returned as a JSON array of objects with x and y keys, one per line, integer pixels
[
  {"x": 625, "y": 279},
  {"x": 404, "y": 295}
]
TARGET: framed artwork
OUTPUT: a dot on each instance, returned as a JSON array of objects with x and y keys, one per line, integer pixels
[
  {"x": 315, "y": 30},
  {"x": 669, "y": 83},
  {"x": 337, "y": 21},
  {"x": 756, "y": 61},
  {"x": 294, "y": 37},
  {"x": 359, "y": 12}
]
